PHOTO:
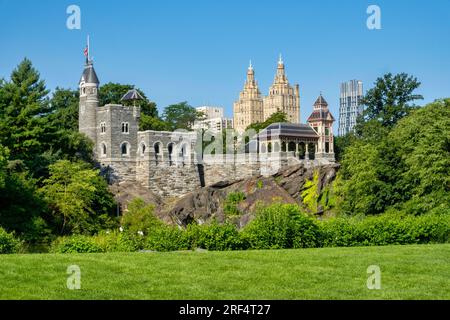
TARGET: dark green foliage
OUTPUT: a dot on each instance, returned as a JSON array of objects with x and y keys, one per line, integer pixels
[
  {"x": 140, "y": 217},
  {"x": 274, "y": 118},
  {"x": 75, "y": 244},
  {"x": 120, "y": 241},
  {"x": 24, "y": 109},
  {"x": 181, "y": 116},
  {"x": 230, "y": 206},
  {"x": 281, "y": 226},
  {"x": 389, "y": 100},
  {"x": 8, "y": 244},
  {"x": 167, "y": 238},
  {"x": 20, "y": 207},
  {"x": 408, "y": 169},
  {"x": 78, "y": 198},
  {"x": 65, "y": 103},
  {"x": 388, "y": 229},
  {"x": 214, "y": 237}
]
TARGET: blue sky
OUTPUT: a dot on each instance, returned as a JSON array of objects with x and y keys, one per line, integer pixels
[{"x": 198, "y": 51}]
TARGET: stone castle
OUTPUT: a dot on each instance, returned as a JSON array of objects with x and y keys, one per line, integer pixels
[{"x": 171, "y": 164}]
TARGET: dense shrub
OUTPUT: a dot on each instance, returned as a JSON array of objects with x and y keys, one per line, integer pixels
[
  {"x": 139, "y": 217},
  {"x": 75, "y": 244},
  {"x": 167, "y": 238},
  {"x": 119, "y": 241},
  {"x": 8, "y": 244},
  {"x": 387, "y": 229},
  {"x": 281, "y": 226},
  {"x": 214, "y": 237}
]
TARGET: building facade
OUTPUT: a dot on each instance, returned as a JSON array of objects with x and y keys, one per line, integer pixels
[
  {"x": 252, "y": 107},
  {"x": 282, "y": 97},
  {"x": 214, "y": 119},
  {"x": 249, "y": 108},
  {"x": 350, "y": 106}
]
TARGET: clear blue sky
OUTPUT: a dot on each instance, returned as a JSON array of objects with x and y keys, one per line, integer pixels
[{"x": 198, "y": 51}]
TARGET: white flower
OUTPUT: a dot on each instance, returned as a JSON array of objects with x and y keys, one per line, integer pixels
[
  {"x": 121, "y": 229},
  {"x": 140, "y": 233}
]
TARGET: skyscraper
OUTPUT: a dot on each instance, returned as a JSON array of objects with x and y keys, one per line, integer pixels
[{"x": 350, "y": 106}]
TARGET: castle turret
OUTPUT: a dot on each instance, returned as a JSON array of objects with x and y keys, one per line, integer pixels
[{"x": 88, "y": 101}]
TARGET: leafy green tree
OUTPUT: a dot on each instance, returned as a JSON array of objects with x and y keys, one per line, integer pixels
[
  {"x": 24, "y": 108},
  {"x": 341, "y": 143},
  {"x": 407, "y": 169},
  {"x": 390, "y": 99},
  {"x": 78, "y": 198},
  {"x": 140, "y": 217},
  {"x": 274, "y": 118},
  {"x": 423, "y": 141},
  {"x": 181, "y": 116},
  {"x": 65, "y": 103},
  {"x": 4, "y": 155}
]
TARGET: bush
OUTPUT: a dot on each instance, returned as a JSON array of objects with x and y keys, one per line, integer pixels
[
  {"x": 167, "y": 238},
  {"x": 8, "y": 244},
  {"x": 140, "y": 217},
  {"x": 281, "y": 226},
  {"x": 214, "y": 237},
  {"x": 75, "y": 244},
  {"x": 119, "y": 242},
  {"x": 386, "y": 229}
]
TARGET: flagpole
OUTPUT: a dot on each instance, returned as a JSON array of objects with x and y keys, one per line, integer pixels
[{"x": 88, "y": 46}]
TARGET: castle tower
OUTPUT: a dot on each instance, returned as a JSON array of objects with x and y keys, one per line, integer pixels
[
  {"x": 249, "y": 108},
  {"x": 321, "y": 120},
  {"x": 88, "y": 86},
  {"x": 282, "y": 97}
]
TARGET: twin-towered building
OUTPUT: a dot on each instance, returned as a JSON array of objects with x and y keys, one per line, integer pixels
[{"x": 252, "y": 107}]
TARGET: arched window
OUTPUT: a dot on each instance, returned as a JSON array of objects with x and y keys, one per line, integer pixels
[
  {"x": 263, "y": 148},
  {"x": 125, "y": 149},
  {"x": 158, "y": 151},
  {"x": 103, "y": 149},
  {"x": 143, "y": 149},
  {"x": 170, "y": 150}
]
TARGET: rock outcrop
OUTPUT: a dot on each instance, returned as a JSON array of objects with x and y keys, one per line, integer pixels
[{"x": 286, "y": 186}]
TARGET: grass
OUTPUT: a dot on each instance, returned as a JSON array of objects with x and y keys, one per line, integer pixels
[{"x": 407, "y": 272}]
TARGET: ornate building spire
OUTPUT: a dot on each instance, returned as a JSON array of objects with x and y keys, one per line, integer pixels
[
  {"x": 249, "y": 108},
  {"x": 282, "y": 97}
]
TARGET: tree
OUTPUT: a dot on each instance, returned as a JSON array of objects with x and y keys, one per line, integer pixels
[
  {"x": 4, "y": 155},
  {"x": 181, "y": 116},
  {"x": 113, "y": 93},
  {"x": 407, "y": 169},
  {"x": 274, "y": 118},
  {"x": 64, "y": 104},
  {"x": 389, "y": 100},
  {"x": 24, "y": 109},
  {"x": 78, "y": 198}
]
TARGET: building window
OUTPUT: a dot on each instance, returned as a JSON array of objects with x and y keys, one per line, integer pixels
[
  {"x": 103, "y": 150},
  {"x": 125, "y": 127},
  {"x": 103, "y": 127},
  {"x": 125, "y": 149},
  {"x": 170, "y": 150},
  {"x": 143, "y": 149}
]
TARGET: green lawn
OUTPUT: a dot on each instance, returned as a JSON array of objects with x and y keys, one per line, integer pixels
[{"x": 408, "y": 272}]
